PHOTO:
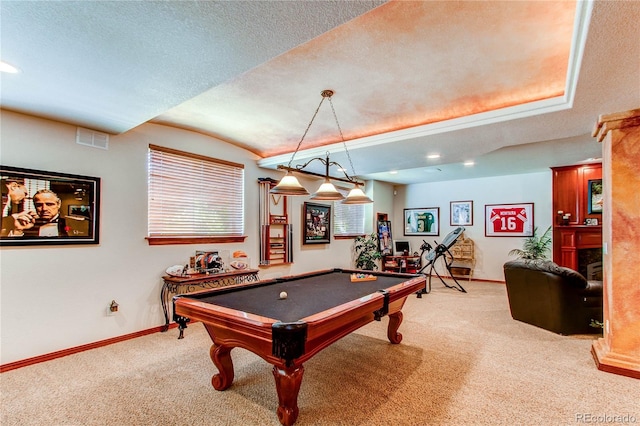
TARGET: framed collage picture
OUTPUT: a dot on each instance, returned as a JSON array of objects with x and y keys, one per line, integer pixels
[
  {"x": 317, "y": 223},
  {"x": 508, "y": 220}
]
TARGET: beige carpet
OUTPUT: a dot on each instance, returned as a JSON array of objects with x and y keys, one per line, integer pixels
[{"x": 463, "y": 361}]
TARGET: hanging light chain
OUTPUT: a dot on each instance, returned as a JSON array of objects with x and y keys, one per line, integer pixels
[
  {"x": 344, "y": 143},
  {"x": 309, "y": 126}
]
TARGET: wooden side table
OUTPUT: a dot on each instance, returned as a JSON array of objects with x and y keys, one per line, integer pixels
[
  {"x": 463, "y": 259},
  {"x": 181, "y": 285}
]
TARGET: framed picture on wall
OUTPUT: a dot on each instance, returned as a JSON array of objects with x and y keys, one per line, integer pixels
[
  {"x": 595, "y": 196},
  {"x": 461, "y": 213},
  {"x": 424, "y": 221},
  {"x": 45, "y": 208},
  {"x": 317, "y": 223},
  {"x": 508, "y": 220},
  {"x": 384, "y": 237}
]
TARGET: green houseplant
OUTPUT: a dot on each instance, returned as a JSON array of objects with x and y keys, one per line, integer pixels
[
  {"x": 367, "y": 253},
  {"x": 534, "y": 247}
]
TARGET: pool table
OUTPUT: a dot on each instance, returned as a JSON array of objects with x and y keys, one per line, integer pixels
[{"x": 320, "y": 308}]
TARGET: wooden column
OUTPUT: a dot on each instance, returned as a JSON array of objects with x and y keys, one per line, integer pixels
[{"x": 618, "y": 351}]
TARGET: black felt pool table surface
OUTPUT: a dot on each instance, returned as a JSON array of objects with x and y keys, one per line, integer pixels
[{"x": 305, "y": 296}]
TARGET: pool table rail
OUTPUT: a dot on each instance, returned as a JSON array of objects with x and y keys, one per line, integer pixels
[{"x": 254, "y": 332}]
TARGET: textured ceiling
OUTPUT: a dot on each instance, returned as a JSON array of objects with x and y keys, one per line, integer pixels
[
  {"x": 389, "y": 73},
  {"x": 514, "y": 86}
]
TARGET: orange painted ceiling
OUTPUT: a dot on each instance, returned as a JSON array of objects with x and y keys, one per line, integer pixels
[{"x": 404, "y": 64}]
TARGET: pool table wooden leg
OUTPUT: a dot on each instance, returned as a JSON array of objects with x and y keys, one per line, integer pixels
[
  {"x": 221, "y": 357},
  {"x": 395, "y": 320},
  {"x": 288, "y": 381}
]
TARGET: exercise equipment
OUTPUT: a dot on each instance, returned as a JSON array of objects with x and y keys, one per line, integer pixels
[{"x": 439, "y": 252}]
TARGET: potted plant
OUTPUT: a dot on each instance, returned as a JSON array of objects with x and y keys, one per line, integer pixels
[
  {"x": 367, "y": 253},
  {"x": 534, "y": 247}
]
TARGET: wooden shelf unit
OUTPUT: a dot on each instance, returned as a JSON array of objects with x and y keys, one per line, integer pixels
[
  {"x": 276, "y": 233},
  {"x": 278, "y": 250},
  {"x": 405, "y": 264},
  {"x": 463, "y": 262}
]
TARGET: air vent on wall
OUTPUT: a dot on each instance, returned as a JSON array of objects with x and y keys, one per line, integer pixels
[{"x": 92, "y": 138}]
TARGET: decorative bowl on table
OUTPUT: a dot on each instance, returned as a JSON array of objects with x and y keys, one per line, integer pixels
[{"x": 176, "y": 271}]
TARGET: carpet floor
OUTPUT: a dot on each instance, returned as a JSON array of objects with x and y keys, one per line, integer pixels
[{"x": 463, "y": 361}]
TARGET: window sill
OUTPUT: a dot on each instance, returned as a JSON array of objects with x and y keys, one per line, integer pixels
[
  {"x": 347, "y": 236},
  {"x": 158, "y": 241}
]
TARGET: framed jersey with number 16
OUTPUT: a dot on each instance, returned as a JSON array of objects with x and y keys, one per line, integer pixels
[{"x": 508, "y": 220}]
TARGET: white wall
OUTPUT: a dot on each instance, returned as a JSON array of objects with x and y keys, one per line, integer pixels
[
  {"x": 491, "y": 252},
  {"x": 56, "y": 297},
  {"x": 383, "y": 199}
]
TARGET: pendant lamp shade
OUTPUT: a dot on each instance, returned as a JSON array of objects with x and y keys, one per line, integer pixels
[
  {"x": 357, "y": 196},
  {"x": 289, "y": 185},
  {"x": 327, "y": 192}
]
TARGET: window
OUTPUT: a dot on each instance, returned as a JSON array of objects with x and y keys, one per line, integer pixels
[
  {"x": 193, "y": 198},
  {"x": 348, "y": 219}
]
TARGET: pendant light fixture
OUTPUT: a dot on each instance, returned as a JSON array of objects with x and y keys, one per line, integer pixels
[{"x": 289, "y": 184}]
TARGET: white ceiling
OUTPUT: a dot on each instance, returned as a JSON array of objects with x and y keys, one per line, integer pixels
[{"x": 513, "y": 86}]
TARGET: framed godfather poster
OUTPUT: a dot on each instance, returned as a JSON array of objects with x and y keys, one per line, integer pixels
[{"x": 45, "y": 208}]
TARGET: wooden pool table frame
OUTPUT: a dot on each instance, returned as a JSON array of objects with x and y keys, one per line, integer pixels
[{"x": 296, "y": 342}]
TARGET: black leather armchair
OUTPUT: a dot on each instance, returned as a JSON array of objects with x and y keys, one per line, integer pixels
[{"x": 552, "y": 297}]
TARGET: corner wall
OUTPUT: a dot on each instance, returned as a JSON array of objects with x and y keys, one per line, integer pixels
[
  {"x": 55, "y": 297},
  {"x": 490, "y": 252}
]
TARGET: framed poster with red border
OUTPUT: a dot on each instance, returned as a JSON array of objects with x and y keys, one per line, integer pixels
[{"x": 508, "y": 220}]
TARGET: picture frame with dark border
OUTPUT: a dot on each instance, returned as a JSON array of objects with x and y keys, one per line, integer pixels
[
  {"x": 595, "y": 196},
  {"x": 73, "y": 215},
  {"x": 385, "y": 239},
  {"x": 422, "y": 221},
  {"x": 508, "y": 220},
  {"x": 316, "y": 219},
  {"x": 461, "y": 213}
]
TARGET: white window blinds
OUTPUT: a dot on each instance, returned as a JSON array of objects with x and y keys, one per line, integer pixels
[
  {"x": 348, "y": 219},
  {"x": 192, "y": 195}
]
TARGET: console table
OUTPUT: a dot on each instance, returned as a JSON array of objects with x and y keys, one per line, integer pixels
[{"x": 181, "y": 285}]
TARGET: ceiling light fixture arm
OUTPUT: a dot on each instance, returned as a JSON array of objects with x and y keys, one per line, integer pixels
[
  {"x": 289, "y": 185},
  {"x": 327, "y": 163},
  {"x": 298, "y": 169}
]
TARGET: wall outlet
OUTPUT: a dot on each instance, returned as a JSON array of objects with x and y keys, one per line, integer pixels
[{"x": 112, "y": 309}]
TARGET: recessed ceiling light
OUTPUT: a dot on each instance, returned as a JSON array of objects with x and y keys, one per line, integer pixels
[
  {"x": 469, "y": 163},
  {"x": 393, "y": 172},
  {"x": 6, "y": 67},
  {"x": 433, "y": 156}
]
